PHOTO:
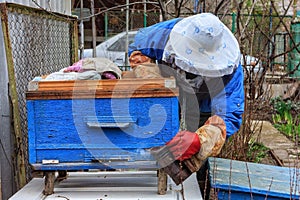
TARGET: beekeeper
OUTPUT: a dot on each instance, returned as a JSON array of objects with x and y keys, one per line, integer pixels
[{"x": 204, "y": 56}]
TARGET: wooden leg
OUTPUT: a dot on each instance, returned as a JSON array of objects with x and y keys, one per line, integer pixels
[
  {"x": 162, "y": 182},
  {"x": 62, "y": 174},
  {"x": 49, "y": 182}
]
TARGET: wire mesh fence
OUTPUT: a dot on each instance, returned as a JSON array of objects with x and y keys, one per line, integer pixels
[{"x": 37, "y": 43}]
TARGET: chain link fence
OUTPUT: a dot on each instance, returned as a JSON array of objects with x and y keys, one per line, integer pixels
[{"x": 37, "y": 43}]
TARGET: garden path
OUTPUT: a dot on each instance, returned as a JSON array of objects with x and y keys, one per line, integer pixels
[{"x": 284, "y": 151}]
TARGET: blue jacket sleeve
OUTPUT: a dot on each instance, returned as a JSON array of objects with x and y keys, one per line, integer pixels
[
  {"x": 229, "y": 104},
  {"x": 152, "y": 40}
]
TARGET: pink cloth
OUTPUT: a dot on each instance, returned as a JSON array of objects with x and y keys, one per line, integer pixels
[
  {"x": 76, "y": 67},
  {"x": 109, "y": 75},
  {"x": 106, "y": 68}
]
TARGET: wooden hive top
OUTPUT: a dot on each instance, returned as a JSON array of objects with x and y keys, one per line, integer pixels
[{"x": 120, "y": 88}]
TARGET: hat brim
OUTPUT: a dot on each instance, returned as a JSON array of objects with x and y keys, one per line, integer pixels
[{"x": 197, "y": 60}]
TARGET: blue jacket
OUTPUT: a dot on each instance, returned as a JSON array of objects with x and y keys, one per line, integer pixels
[{"x": 228, "y": 104}]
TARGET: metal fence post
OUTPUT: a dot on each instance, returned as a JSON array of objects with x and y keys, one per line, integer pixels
[
  {"x": 145, "y": 14},
  {"x": 271, "y": 43},
  {"x": 105, "y": 25},
  {"x": 233, "y": 22},
  {"x": 94, "y": 34},
  {"x": 7, "y": 182},
  {"x": 20, "y": 154}
]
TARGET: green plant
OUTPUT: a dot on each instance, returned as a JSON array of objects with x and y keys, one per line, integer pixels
[
  {"x": 286, "y": 119},
  {"x": 256, "y": 151}
]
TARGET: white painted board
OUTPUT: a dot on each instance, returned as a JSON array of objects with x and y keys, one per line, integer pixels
[
  {"x": 129, "y": 185},
  {"x": 63, "y": 7}
]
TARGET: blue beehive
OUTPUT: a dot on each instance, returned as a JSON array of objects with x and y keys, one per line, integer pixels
[
  {"x": 76, "y": 125},
  {"x": 237, "y": 180}
]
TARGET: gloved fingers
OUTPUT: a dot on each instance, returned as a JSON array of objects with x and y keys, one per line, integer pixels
[
  {"x": 186, "y": 148},
  {"x": 190, "y": 164},
  {"x": 177, "y": 171},
  {"x": 137, "y": 58},
  {"x": 183, "y": 152},
  {"x": 176, "y": 139},
  {"x": 194, "y": 163},
  {"x": 182, "y": 138},
  {"x": 183, "y": 145}
]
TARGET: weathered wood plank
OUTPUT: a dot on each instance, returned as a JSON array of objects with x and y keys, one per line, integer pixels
[
  {"x": 162, "y": 182},
  {"x": 103, "y": 84},
  {"x": 49, "y": 183},
  {"x": 76, "y": 166},
  {"x": 245, "y": 180},
  {"x": 125, "y": 88},
  {"x": 163, "y": 92}
]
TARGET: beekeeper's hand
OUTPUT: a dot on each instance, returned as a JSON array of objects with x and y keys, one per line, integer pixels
[
  {"x": 212, "y": 137},
  {"x": 184, "y": 145},
  {"x": 137, "y": 58},
  {"x": 206, "y": 141}
]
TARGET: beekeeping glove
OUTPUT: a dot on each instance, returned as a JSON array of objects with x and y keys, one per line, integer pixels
[
  {"x": 191, "y": 149},
  {"x": 184, "y": 145},
  {"x": 212, "y": 136},
  {"x": 147, "y": 70},
  {"x": 137, "y": 58}
]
